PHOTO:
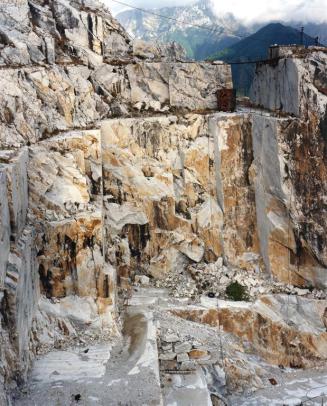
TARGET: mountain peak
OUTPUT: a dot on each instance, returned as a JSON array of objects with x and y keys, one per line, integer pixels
[
  {"x": 224, "y": 30},
  {"x": 198, "y": 42},
  {"x": 273, "y": 25}
]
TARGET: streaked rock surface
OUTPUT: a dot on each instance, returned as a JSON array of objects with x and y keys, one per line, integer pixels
[
  {"x": 163, "y": 183},
  {"x": 266, "y": 324},
  {"x": 295, "y": 85},
  {"x": 115, "y": 162}
]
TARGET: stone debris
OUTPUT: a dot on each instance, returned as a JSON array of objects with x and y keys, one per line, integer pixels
[
  {"x": 219, "y": 375},
  {"x": 182, "y": 347},
  {"x": 170, "y": 338},
  {"x": 185, "y": 352},
  {"x": 198, "y": 354},
  {"x": 182, "y": 357},
  {"x": 265, "y": 322},
  {"x": 166, "y": 346},
  {"x": 189, "y": 365},
  {"x": 212, "y": 280},
  {"x": 142, "y": 280},
  {"x": 116, "y": 168},
  {"x": 167, "y": 356}
]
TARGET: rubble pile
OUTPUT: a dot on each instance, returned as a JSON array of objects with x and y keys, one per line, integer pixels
[
  {"x": 213, "y": 279},
  {"x": 184, "y": 355},
  {"x": 116, "y": 167},
  {"x": 227, "y": 362}
]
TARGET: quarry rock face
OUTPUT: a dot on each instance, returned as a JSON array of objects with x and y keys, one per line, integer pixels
[
  {"x": 293, "y": 248},
  {"x": 305, "y": 345},
  {"x": 19, "y": 277},
  {"x": 65, "y": 67},
  {"x": 166, "y": 177},
  {"x": 236, "y": 189},
  {"x": 116, "y": 166},
  {"x": 157, "y": 189},
  {"x": 5, "y": 227},
  {"x": 298, "y": 149},
  {"x": 155, "y": 51},
  {"x": 22, "y": 295},
  {"x": 293, "y": 85}
]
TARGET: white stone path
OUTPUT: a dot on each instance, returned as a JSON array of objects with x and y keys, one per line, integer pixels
[
  {"x": 125, "y": 375},
  {"x": 307, "y": 388}
]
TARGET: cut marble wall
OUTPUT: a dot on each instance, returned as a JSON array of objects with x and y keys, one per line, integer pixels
[
  {"x": 161, "y": 192},
  {"x": 65, "y": 175},
  {"x": 15, "y": 164},
  {"x": 296, "y": 86},
  {"x": 150, "y": 194},
  {"x": 4, "y": 228},
  {"x": 290, "y": 194},
  {"x": 22, "y": 296}
]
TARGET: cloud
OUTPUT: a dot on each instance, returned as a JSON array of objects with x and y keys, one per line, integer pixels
[
  {"x": 117, "y": 8},
  {"x": 249, "y": 11}
]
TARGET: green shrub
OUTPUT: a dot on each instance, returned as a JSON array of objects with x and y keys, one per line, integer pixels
[{"x": 237, "y": 292}]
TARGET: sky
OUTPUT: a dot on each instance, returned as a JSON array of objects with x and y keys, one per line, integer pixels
[{"x": 248, "y": 11}]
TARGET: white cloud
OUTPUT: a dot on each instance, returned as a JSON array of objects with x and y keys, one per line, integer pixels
[
  {"x": 284, "y": 10},
  {"x": 247, "y": 10},
  {"x": 117, "y": 8}
]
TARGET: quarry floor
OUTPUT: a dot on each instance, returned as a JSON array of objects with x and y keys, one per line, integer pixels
[{"x": 127, "y": 371}]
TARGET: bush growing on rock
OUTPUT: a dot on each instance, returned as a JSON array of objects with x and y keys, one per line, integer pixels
[{"x": 237, "y": 292}]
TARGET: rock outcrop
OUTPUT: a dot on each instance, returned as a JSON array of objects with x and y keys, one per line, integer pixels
[
  {"x": 290, "y": 204},
  {"x": 290, "y": 161},
  {"x": 173, "y": 189},
  {"x": 284, "y": 331},
  {"x": 115, "y": 161},
  {"x": 294, "y": 84},
  {"x": 65, "y": 67}
]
